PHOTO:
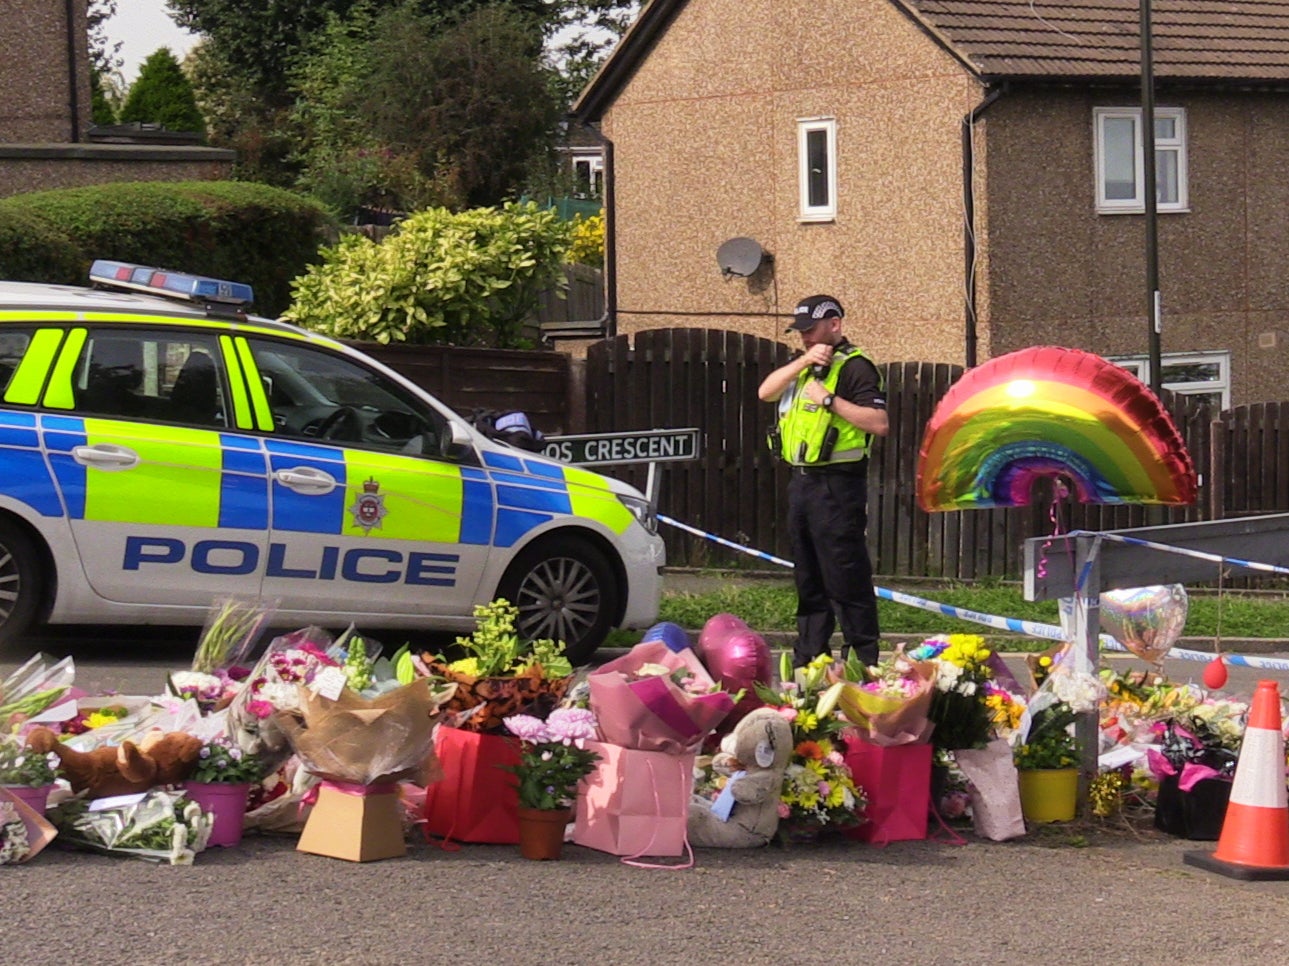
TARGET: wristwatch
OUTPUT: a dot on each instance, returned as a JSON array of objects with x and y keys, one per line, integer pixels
[{"x": 826, "y": 402}]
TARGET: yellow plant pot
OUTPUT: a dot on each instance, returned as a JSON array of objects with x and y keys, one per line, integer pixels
[{"x": 1049, "y": 794}]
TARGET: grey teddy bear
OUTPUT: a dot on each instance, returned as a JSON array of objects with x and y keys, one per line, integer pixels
[{"x": 760, "y": 746}]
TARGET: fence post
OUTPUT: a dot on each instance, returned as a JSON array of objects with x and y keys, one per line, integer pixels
[{"x": 1217, "y": 470}]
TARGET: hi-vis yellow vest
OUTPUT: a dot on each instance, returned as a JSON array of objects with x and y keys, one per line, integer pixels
[{"x": 810, "y": 435}]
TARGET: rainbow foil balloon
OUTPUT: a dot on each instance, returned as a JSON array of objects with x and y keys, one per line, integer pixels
[{"x": 1061, "y": 414}]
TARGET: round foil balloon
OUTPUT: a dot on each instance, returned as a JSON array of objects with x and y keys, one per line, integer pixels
[
  {"x": 673, "y": 635},
  {"x": 737, "y": 657},
  {"x": 1145, "y": 620}
]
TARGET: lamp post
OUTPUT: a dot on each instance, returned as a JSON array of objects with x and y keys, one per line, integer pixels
[{"x": 1154, "y": 306}]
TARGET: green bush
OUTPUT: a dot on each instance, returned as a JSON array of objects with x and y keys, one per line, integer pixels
[
  {"x": 246, "y": 232},
  {"x": 163, "y": 95},
  {"x": 440, "y": 278}
]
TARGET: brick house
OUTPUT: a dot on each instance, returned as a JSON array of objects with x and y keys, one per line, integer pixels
[
  {"x": 46, "y": 135},
  {"x": 965, "y": 175}
]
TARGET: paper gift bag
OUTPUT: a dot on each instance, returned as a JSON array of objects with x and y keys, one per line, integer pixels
[
  {"x": 635, "y": 802},
  {"x": 477, "y": 800},
  {"x": 897, "y": 781},
  {"x": 994, "y": 790}
]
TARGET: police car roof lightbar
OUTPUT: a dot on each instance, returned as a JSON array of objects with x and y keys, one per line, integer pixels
[{"x": 156, "y": 281}]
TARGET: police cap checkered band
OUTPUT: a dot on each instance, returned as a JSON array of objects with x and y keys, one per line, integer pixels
[{"x": 810, "y": 311}]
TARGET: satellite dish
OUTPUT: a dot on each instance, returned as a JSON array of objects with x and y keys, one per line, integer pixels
[{"x": 741, "y": 257}]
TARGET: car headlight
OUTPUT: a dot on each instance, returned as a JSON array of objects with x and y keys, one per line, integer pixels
[{"x": 642, "y": 510}]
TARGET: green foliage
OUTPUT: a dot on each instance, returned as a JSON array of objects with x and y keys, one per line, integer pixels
[
  {"x": 102, "y": 112},
  {"x": 251, "y": 233},
  {"x": 1049, "y": 744},
  {"x": 549, "y": 772},
  {"x": 20, "y": 765},
  {"x": 496, "y": 649},
  {"x": 225, "y": 764},
  {"x": 770, "y": 605},
  {"x": 162, "y": 95},
  {"x": 588, "y": 241},
  {"x": 440, "y": 278}
]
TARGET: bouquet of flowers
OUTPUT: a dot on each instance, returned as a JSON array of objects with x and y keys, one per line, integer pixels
[
  {"x": 23, "y": 832},
  {"x": 33, "y": 688},
  {"x": 554, "y": 757},
  {"x": 959, "y": 710},
  {"x": 501, "y": 674},
  {"x": 656, "y": 699},
  {"x": 232, "y": 627},
  {"x": 20, "y": 765},
  {"x": 222, "y": 762},
  {"x": 818, "y": 789},
  {"x": 274, "y": 685},
  {"x": 161, "y": 825},
  {"x": 1046, "y": 738},
  {"x": 89, "y": 718},
  {"x": 889, "y": 702}
]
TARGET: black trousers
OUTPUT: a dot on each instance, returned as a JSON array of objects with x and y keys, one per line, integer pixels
[{"x": 827, "y": 520}]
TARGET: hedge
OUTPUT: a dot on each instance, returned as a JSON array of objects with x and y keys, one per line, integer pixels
[{"x": 235, "y": 230}]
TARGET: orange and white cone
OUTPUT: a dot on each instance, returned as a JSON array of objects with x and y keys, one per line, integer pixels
[{"x": 1254, "y": 843}]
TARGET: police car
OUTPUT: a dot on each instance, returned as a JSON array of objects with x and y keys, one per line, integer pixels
[{"x": 160, "y": 449}]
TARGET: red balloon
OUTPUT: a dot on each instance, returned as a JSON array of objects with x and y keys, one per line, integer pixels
[
  {"x": 1215, "y": 674},
  {"x": 737, "y": 657}
]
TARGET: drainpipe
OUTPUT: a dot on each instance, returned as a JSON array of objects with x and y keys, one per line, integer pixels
[
  {"x": 969, "y": 218},
  {"x": 610, "y": 246},
  {"x": 73, "y": 97}
]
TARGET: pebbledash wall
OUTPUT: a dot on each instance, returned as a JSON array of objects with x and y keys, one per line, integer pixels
[
  {"x": 724, "y": 114},
  {"x": 45, "y": 115}
]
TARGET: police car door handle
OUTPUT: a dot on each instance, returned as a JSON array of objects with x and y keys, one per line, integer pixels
[
  {"x": 306, "y": 479},
  {"x": 105, "y": 456}
]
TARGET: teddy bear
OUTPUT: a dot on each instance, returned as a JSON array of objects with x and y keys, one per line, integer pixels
[
  {"x": 754, "y": 756},
  {"x": 160, "y": 758}
]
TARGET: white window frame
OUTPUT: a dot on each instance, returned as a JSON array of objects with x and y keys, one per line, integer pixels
[
  {"x": 594, "y": 161},
  {"x": 805, "y": 127},
  {"x": 1139, "y": 366},
  {"x": 1175, "y": 145}
]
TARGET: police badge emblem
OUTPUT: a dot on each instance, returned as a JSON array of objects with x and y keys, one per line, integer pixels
[{"x": 369, "y": 507}]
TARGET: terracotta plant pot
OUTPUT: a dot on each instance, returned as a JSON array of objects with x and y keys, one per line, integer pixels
[
  {"x": 541, "y": 832},
  {"x": 1049, "y": 794},
  {"x": 34, "y": 796},
  {"x": 226, "y": 802}
]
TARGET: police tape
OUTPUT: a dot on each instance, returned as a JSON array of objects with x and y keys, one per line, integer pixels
[{"x": 1050, "y": 632}]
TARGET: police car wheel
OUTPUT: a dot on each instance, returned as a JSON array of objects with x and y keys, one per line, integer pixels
[
  {"x": 19, "y": 582},
  {"x": 565, "y": 591}
]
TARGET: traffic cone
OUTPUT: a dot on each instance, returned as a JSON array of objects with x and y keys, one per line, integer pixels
[{"x": 1254, "y": 843}]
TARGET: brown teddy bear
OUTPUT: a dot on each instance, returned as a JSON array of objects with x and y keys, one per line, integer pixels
[
  {"x": 158, "y": 759},
  {"x": 755, "y": 756}
]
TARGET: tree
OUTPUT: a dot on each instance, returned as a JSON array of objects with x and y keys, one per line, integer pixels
[
  {"x": 408, "y": 110},
  {"x": 101, "y": 110},
  {"x": 590, "y": 29},
  {"x": 162, "y": 95},
  {"x": 105, "y": 57}
]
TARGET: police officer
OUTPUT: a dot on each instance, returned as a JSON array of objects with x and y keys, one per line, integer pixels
[{"x": 831, "y": 405}]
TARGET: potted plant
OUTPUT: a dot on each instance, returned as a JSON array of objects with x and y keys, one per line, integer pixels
[
  {"x": 552, "y": 762},
  {"x": 1047, "y": 762},
  {"x": 25, "y": 773},
  {"x": 221, "y": 783}
]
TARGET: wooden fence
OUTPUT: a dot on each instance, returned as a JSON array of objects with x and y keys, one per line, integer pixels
[
  {"x": 707, "y": 378},
  {"x": 677, "y": 378}
]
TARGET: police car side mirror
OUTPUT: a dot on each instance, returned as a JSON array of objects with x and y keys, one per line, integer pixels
[{"x": 457, "y": 442}]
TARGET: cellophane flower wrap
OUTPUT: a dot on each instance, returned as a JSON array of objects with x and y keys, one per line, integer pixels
[
  {"x": 656, "y": 699},
  {"x": 162, "y": 825},
  {"x": 959, "y": 711},
  {"x": 364, "y": 741},
  {"x": 273, "y": 686},
  {"x": 233, "y": 625},
  {"x": 501, "y": 674},
  {"x": 889, "y": 703},
  {"x": 23, "y": 832},
  {"x": 32, "y": 688},
  {"x": 1045, "y": 738}
]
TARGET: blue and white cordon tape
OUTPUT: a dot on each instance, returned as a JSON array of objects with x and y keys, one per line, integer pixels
[{"x": 1048, "y": 632}]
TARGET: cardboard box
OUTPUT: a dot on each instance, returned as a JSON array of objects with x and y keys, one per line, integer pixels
[{"x": 359, "y": 828}]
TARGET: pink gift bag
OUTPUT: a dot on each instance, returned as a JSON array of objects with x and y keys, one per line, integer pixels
[
  {"x": 897, "y": 781},
  {"x": 635, "y": 802}
]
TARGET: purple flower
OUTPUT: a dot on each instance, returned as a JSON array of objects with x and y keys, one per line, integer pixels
[
  {"x": 526, "y": 728},
  {"x": 571, "y": 726}
]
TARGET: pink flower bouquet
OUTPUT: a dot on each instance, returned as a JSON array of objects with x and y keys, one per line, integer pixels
[
  {"x": 656, "y": 699},
  {"x": 892, "y": 706}
]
